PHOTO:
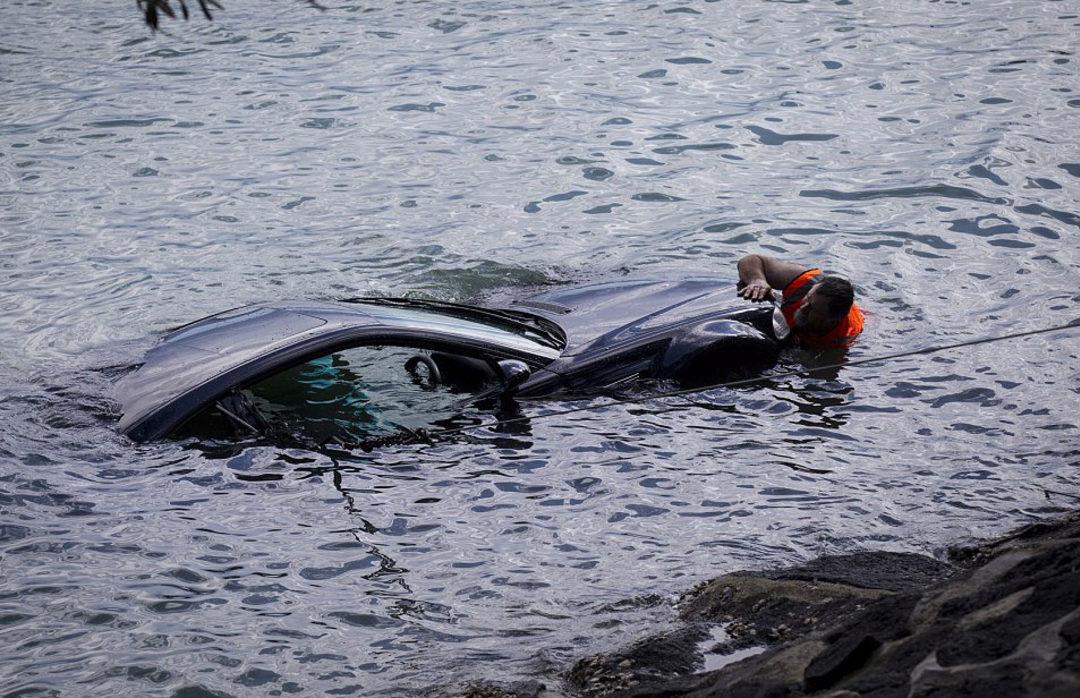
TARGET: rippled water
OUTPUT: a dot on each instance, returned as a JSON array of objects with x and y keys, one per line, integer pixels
[{"x": 468, "y": 149}]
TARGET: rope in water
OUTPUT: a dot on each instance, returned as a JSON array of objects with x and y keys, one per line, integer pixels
[{"x": 430, "y": 437}]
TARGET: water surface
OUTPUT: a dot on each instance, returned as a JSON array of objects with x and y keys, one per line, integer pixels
[{"x": 483, "y": 150}]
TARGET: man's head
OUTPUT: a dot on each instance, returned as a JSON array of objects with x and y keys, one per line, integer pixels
[{"x": 825, "y": 305}]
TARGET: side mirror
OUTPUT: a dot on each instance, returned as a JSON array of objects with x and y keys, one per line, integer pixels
[{"x": 513, "y": 373}]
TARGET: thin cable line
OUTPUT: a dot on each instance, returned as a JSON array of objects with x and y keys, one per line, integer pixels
[{"x": 429, "y": 437}]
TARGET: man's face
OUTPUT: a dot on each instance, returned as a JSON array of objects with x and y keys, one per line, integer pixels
[{"x": 812, "y": 317}]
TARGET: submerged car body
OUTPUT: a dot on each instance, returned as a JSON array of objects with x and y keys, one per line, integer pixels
[{"x": 567, "y": 342}]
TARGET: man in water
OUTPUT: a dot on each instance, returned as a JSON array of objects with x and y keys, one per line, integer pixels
[{"x": 819, "y": 310}]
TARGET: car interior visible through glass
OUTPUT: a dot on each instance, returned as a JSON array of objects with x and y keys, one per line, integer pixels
[{"x": 351, "y": 395}]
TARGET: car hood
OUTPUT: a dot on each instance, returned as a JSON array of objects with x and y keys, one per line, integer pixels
[{"x": 604, "y": 315}]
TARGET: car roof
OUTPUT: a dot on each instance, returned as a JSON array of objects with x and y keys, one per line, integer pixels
[{"x": 195, "y": 364}]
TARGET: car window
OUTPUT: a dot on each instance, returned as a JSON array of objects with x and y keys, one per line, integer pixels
[{"x": 361, "y": 393}]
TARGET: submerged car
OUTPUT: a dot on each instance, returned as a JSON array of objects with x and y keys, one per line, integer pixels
[{"x": 369, "y": 366}]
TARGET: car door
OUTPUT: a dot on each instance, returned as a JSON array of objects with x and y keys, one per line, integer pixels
[{"x": 602, "y": 372}]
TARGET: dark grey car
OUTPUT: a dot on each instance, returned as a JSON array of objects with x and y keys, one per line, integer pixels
[{"x": 370, "y": 365}]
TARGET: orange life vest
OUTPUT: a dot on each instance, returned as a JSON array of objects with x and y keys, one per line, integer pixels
[{"x": 795, "y": 295}]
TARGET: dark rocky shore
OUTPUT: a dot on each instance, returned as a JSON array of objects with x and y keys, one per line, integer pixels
[{"x": 1000, "y": 618}]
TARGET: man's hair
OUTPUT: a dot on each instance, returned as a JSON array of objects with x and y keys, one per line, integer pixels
[{"x": 839, "y": 294}]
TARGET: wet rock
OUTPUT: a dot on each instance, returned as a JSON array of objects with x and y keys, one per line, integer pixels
[
  {"x": 645, "y": 662},
  {"x": 871, "y": 570},
  {"x": 1005, "y": 621},
  {"x": 1001, "y": 618},
  {"x": 759, "y": 609},
  {"x": 517, "y": 689}
]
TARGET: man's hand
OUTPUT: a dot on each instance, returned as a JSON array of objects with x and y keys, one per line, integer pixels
[
  {"x": 759, "y": 275},
  {"x": 756, "y": 290}
]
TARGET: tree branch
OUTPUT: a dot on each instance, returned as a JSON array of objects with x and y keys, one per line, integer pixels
[{"x": 152, "y": 10}]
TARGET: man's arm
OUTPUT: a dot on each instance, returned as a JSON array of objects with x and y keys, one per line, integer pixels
[{"x": 761, "y": 274}]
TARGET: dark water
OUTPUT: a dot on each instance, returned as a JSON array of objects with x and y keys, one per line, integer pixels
[{"x": 928, "y": 150}]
